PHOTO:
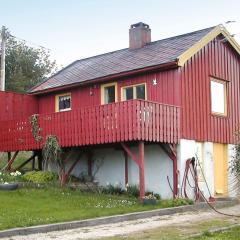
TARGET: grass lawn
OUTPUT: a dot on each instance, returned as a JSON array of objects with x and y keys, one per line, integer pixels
[
  {"x": 28, "y": 207},
  {"x": 183, "y": 231},
  {"x": 231, "y": 234}
]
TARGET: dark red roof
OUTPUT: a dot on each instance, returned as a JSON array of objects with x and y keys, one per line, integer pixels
[{"x": 124, "y": 60}]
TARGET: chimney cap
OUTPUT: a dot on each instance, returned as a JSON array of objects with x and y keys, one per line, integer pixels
[{"x": 140, "y": 24}]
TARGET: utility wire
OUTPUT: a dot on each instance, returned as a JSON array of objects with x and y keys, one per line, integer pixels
[{"x": 32, "y": 43}]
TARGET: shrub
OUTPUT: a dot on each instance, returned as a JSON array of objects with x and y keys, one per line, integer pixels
[
  {"x": 132, "y": 190},
  {"x": 6, "y": 177},
  {"x": 114, "y": 190},
  {"x": 40, "y": 177},
  {"x": 180, "y": 202},
  {"x": 157, "y": 196}
]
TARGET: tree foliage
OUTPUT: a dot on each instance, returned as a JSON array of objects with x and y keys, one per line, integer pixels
[{"x": 25, "y": 65}]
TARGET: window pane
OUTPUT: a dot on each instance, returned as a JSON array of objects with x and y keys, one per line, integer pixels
[
  {"x": 128, "y": 93},
  {"x": 109, "y": 94},
  {"x": 64, "y": 102},
  {"x": 140, "y": 91},
  {"x": 218, "y": 97}
]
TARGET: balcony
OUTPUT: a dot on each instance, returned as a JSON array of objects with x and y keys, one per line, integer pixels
[{"x": 132, "y": 120}]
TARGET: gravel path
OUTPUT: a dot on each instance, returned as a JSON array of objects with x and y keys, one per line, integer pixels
[{"x": 129, "y": 227}]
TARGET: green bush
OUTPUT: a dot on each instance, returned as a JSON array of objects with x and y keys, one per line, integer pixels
[
  {"x": 157, "y": 196},
  {"x": 114, "y": 190},
  {"x": 133, "y": 191},
  {"x": 179, "y": 202},
  {"x": 40, "y": 177},
  {"x": 6, "y": 177}
]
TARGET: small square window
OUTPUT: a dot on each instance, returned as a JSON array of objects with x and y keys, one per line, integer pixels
[
  {"x": 218, "y": 97},
  {"x": 108, "y": 93},
  {"x": 63, "y": 102}
]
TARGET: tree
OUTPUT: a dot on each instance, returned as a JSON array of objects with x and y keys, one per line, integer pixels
[{"x": 26, "y": 66}]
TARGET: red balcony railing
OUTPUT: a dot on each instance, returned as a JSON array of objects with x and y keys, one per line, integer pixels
[{"x": 123, "y": 121}]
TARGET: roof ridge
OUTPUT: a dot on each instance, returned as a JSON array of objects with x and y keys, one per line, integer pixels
[
  {"x": 102, "y": 54},
  {"x": 184, "y": 34},
  {"x": 112, "y": 52}
]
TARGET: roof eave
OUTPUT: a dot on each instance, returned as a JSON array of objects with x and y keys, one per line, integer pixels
[
  {"x": 163, "y": 66},
  {"x": 220, "y": 29}
]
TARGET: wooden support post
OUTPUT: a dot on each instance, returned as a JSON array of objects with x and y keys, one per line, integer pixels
[
  {"x": 89, "y": 163},
  {"x": 141, "y": 170},
  {"x": 65, "y": 176},
  {"x": 9, "y": 156},
  {"x": 139, "y": 159},
  {"x": 126, "y": 167},
  {"x": 10, "y": 162},
  {"x": 175, "y": 178},
  {"x": 40, "y": 160},
  {"x": 33, "y": 163},
  {"x": 24, "y": 163}
]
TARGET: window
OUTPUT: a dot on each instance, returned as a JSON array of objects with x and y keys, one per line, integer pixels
[
  {"x": 218, "y": 97},
  {"x": 134, "y": 92},
  {"x": 63, "y": 102},
  {"x": 109, "y": 93}
]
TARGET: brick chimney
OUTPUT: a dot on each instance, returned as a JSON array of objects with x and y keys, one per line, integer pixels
[{"x": 139, "y": 35}]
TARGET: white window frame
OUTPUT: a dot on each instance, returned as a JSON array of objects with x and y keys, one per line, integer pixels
[
  {"x": 123, "y": 94},
  {"x": 224, "y": 83}
]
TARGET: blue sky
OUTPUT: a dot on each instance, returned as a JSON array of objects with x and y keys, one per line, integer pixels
[{"x": 74, "y": 29}]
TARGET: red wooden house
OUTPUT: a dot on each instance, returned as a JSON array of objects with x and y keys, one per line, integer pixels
[{"x": 157, "y": 103}]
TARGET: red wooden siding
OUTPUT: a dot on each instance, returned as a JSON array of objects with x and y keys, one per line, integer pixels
[
  {"x": 218, "y": 60},
  {"x": 166, "y": 91},
  {"x": 16, "y": 106},
  {"x": 123, "y": 121},
  {"x": 81, "y": 97}
]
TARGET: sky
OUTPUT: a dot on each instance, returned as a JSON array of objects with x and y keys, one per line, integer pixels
[{"x": 75, "y": 29}]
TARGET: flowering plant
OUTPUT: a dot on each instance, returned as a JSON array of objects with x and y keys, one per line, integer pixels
[
  {"x": 6, "y": 178},
  {"x": 150, "y": 196}
]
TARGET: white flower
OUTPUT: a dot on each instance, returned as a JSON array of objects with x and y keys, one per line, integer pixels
[
  {"x": 12, "y": 173},
  {"x": 6, "y": 183},
  {"x": 18, "y": 173},
  {"x": 0, "y": 173}
]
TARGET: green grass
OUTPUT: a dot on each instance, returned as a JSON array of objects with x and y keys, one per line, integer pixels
[
  {"x": 231, "y": 234},
  {"x": 21, "y": 157},
  {"x": 28, "y": 207},
  {"x": 181, "y": 231}
]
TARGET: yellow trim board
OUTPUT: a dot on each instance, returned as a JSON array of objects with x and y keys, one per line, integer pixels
[
  {"x": 220, "y": 155},
  {"x": 220, "y": 29},
  {"x": 103, "y": 86}
]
